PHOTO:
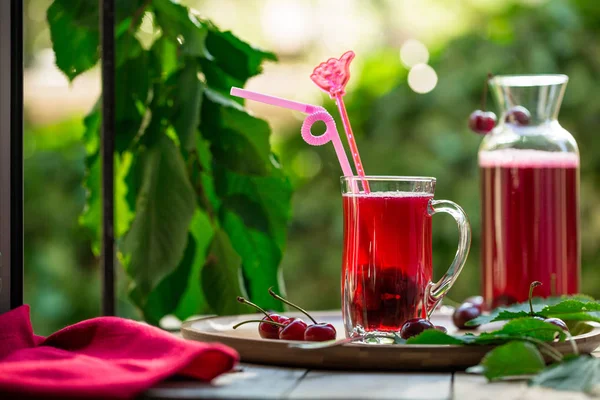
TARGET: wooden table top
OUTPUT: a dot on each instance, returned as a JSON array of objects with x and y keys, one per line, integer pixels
[{"x": 251, "y": 381}]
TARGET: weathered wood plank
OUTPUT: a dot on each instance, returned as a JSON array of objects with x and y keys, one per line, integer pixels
[
  {"x": 373, "y": 385},
  {"x": 252, "y": 382},
  {"x": 476, "y": 387}
]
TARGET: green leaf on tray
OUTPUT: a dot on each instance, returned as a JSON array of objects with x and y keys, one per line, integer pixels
[
  {"x": 513, "y": 330},
  {"x": 515, "y": 358},
  {"x": 525, "y": 327},
  {"x": 580, "y": 374},
  {"x": 435, "y": 337},
  {"x": 577, "y": 307}
]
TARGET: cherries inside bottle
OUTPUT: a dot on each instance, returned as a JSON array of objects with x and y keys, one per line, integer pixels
[{"x": 518, "y": 115}]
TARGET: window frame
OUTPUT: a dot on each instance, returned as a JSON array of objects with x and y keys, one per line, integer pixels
[{"x": 11, "y": 154}]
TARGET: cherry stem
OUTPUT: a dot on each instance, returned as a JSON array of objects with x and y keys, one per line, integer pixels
[
  {"x": 289, "y": 303},
  {"x": 262, "y": 321},
  {"x": 485, "y": 90},
  {"x": 251, "y": 304},
  {"x": 533, "y": 285}
]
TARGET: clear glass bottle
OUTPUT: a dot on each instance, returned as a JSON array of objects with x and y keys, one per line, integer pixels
[{"x": 529, "y": 167}]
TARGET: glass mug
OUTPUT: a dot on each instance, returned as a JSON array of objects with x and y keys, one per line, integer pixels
[{"x": 386, "y": 267}]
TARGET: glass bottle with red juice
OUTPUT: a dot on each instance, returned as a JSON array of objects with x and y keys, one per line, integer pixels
[{"x": 529, "y": 168}]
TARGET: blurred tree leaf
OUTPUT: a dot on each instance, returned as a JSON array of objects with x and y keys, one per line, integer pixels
[
  {"x": 165, "y": 297},
  {"x": 74, "y": 35},
  {"x": 238, "y": 140},
  {"x": 193, "y": 301},
  {"x": 187, "y": 102},
  {"x": 165, "y": 205},
  {"x": 178, "y": 24},
  {"x": 131, "y": 95},
  {"x": 255, "y": 195},
  {"x": 74, "y": 30},
  {"x": 222, "y": 276},
  {"x": 235, "y": 57}
]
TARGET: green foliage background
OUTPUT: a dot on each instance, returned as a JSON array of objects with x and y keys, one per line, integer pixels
[
  {"x": 398, "y": 132},
  {"x": 202, "y": 202}
]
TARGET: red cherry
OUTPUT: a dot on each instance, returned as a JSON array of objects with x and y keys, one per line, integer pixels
[
  {"x": 518, "y": 115},
  {"x": 465, "y": 313},
  {"x": 482, "y": 122},
  {"x": 294, "y": 330},
  {"x": 414, "y": 326},
  {"x": 320, "y": 332},
  {"x": 271, "y": 331}
]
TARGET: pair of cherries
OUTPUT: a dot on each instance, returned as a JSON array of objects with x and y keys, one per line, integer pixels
[
  {"x": 275, "y": 326},
  {"x": 482, "y": 122}
]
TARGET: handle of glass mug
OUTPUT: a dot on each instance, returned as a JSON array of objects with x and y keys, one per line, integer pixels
[{"x": 436, "y": 291}]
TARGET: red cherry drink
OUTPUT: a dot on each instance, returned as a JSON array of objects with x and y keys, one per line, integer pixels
[
  {"x": 387, "y": 259},
  {"x": 530, "y": 224}
]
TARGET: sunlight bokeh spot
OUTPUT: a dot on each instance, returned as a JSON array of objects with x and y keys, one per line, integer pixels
[
  {"x": 413, "y": 52},
  {"x": 287, "y": 25},
  {"x": 422, "y": 78}
]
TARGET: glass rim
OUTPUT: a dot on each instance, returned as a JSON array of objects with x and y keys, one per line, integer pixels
[
  {"x": 529, "y": 80},
  {"x": 388, "y": 178}
]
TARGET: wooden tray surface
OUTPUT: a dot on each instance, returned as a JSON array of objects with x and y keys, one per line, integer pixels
[{"x": 354, "y": 356}]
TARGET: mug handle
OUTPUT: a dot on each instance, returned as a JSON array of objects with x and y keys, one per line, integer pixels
[{"x": 436, "y": 291}]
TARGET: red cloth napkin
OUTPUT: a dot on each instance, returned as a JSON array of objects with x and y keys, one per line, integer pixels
[{"x": 103, "y": 357}]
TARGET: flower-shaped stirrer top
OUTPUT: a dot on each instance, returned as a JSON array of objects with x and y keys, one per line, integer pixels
[{"x": 332, "y": 77}]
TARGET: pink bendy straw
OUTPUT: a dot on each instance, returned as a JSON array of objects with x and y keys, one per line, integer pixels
[
  {"x": 316, "y": 114},
  {"x": 332, "y": 76}
]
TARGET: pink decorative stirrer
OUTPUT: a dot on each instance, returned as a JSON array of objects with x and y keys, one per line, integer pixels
[
  {"x": 332, "y": 76},
  {"x": 317, "y": 113}
]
